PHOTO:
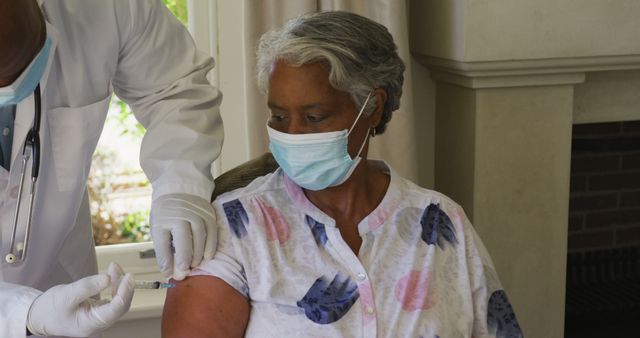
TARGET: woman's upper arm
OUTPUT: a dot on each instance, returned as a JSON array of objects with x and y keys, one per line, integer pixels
[{"x": 204, "y": 306}]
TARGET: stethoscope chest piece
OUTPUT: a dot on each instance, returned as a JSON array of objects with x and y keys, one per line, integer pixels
[{"x": 10, "y": 258}]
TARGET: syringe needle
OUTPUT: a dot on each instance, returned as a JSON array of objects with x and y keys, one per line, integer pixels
[{"x": 141, "y": 284}]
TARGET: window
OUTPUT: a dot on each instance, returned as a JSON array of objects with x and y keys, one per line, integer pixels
[
  {"x": 118, "y": 189},
  {"x": 205, "y": 20}
]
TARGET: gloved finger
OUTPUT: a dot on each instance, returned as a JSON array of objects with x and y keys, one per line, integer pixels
[
  {"x": 81, "y": 290},
  {"x": 183, "y": 244},
  {"x": 211, "y": 241},
  {"x": 162, "y": 246},
  {"x": 182, "y": 241},
  {"x": 199, "y": 235},
  {"x": 201, "y": 207},
  {"x": 115, "y": 273},
  {"x": 108, "y": 313},
  {"x": 98, "y": 302},
  {"x": 185, "y": 211},
  {"x": 179, "y": 274}
]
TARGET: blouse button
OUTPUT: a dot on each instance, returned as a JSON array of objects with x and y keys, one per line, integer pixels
[{"x": 368, "y": 310}]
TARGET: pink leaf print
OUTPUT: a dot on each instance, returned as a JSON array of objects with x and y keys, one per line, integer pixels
[
  {"x": 276, "y": 227},
  {"x": 457, "y": 219},
  {"x": 412, "y": 291}
]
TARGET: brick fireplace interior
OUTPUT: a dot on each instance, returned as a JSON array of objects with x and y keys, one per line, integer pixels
[{"x": 603, "y": 261}]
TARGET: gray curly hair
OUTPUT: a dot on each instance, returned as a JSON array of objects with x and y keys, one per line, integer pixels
[{"x": 360, "y": 54}]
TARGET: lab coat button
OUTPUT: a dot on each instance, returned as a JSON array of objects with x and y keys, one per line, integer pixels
[
  {"x": 368, "y": 310},
  {"x": 361, "y": 276}
]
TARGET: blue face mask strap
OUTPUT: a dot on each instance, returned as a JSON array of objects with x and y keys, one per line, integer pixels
[{"x": 361, "y": 111}]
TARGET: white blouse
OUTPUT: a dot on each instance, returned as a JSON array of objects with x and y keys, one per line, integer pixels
[{"x": 421, "y": 271}]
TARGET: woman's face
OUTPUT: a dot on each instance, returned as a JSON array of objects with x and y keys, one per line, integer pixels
[{"x": 302, "y": 101}]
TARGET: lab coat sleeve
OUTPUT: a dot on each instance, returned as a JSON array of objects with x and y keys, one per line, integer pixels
[
  {"x": 162, "y": 76},
  {"x": 15, "y": 301}
]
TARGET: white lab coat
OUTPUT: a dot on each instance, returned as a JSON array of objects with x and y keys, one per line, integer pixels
[{"x": 138, "y": 49}]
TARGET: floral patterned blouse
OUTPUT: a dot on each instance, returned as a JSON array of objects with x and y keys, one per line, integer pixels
[{"x": 421, "y": 271}]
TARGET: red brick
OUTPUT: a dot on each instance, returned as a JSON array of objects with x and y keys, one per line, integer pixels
[
  {"x": 628, "y": 235},
  {"x": 576, "y": 222},
  {"x": 578, "y": 183},
  {"x": 631, "y": 162},
  {"x": 599, "y": 219},
  {"x": 593, "y": 202},
  {"x": 621, "y": 181},
  {"x": 605, "y": 144},
  {"x": 595, "y": 163},
  {"x": 597, "y": 129},
  {"x": 590, "y": 240},
  {"x": 631, "y": 127},
  {"x": 630, "y": 199}
]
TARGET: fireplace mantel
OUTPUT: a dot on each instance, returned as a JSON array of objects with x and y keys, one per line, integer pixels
[{"x": 512, "y": 77}]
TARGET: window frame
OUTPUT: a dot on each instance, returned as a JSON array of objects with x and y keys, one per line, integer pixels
[{"x": 207, "y": 18}]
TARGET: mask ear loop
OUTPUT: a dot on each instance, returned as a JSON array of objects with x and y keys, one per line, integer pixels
[
  {"x": 356, "y": 121},
  {"x": 360, "y": 113},
  {"x": 357, "y": 158}
]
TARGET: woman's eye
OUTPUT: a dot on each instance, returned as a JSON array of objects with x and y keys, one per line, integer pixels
[
  {"x": 277, "y": 118},
  {"x": 315, "y": 118}
]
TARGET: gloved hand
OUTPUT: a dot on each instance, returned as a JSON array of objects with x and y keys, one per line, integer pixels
[
  {"x": 69, "y": 310},
  {"x": 185, "y": 223}
]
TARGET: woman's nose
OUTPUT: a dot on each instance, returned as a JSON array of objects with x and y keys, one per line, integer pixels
[{"x": 297, "y": 126}]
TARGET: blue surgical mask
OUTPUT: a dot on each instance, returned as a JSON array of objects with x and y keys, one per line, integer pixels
[
  {"x": 27, "y": 82},
  {"x": 316, "y": 161}
]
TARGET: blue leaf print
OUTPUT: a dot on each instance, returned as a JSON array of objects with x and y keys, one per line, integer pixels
[
  {"x": 317, "y": 229},
  {"x": 500, "y": 316},
  {"x": 437, "y": 227},
  {"x": 237, "y": 217},
  {"x": 326, "y": 302}
]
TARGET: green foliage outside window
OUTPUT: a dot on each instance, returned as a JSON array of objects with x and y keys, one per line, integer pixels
[{"x": 179, "y": 9}]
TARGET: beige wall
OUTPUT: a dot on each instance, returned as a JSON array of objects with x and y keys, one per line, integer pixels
[
  {"x": 424, "y": 108},
  {"x": 608, "y": 96},
  {"x": 503, "y": 154},
  {"x": 512, "y": 76},
  {"x": 523, "y": 141},
  {"x": 471, "y": 30}
]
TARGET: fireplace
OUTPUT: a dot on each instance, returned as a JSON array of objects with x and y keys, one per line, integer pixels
[{"x": 603, "y": 260}]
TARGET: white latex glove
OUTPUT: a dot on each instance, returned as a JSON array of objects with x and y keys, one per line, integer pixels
[
  {"x": 69, "y": 310},
  {"x": 186, "y": 224}
]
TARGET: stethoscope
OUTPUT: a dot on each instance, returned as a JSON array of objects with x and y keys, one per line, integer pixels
[{"x": 31, "y": 149}]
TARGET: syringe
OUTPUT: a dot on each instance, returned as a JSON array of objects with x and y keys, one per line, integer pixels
[{"x": 142, "y": 284}]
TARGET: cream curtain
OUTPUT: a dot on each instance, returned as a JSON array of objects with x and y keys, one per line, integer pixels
[{"x": 398, "y": 144}]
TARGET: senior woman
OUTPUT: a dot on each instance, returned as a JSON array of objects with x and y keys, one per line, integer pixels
[{"x": 333, "y": 244}]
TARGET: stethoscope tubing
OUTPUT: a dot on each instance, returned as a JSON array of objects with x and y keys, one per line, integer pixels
[{"x": 31, "y": 149}]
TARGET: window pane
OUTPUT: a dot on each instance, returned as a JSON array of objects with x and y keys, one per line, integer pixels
[
  {"x": 179, "y": 9},
  {"x": 119, "y": 192}
]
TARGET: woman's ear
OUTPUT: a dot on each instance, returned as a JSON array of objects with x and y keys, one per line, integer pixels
[{"x": 380, "y": 97}]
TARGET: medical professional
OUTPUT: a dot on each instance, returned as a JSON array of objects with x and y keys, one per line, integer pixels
[{"x": 60, "y": 62}]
